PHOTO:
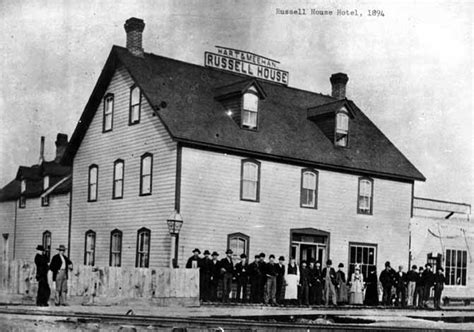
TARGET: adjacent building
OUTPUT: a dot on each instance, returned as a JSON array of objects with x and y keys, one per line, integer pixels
[{"x": 34, "y": 207}]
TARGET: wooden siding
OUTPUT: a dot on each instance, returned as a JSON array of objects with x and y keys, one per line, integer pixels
[
  {"x": 132, "y": 212},
  {"x": 453, "y": 238},
  {"x": 7, "y": 226},
  {"x": 211, "y": 209},
  {"x": 34, "y": 219}
]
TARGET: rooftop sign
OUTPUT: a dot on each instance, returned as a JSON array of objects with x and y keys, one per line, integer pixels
[{"x": 246, "y": 63}]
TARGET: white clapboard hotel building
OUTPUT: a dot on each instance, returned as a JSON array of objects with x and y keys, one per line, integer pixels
[{"x": 248, "y": 163}]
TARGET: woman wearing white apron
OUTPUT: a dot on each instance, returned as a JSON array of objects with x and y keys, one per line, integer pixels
[
  {"x": 292, "y": 276},
  {"x": 357, "y": 287}
]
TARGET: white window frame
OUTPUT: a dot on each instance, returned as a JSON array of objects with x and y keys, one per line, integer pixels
[
  {"x": 146, "y": 175},
  {"x": 116, "y": 239},
  {"x": 363, "y": 193},
  {"x": 92, "y": 187},
  {"x": 135, "y": 105},
  {"x": 342, "y": 128},
  {"x": 363, "y": 263},
  {"x": 89, "y": 248},
  {"x": 143, "y": 249},
  {"x": 248, "y": 180},
  {"x": 119, "y": 175},
  {"x": 250, "y": 108},
  {"x": 108, "y": 112},
  {"x": 455, "y": 253},
  {"x": 307, "y": 190}
]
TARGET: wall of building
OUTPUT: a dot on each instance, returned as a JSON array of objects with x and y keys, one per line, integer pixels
[
  {"x": 211, "y": 209},
  {"x": 452, "y": 237},
  {"x": 7, "y": 226},
  {"x": 132, "y": 211}
]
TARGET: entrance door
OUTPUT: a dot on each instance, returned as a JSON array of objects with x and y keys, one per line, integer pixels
[{"x": 309, "y": 244}]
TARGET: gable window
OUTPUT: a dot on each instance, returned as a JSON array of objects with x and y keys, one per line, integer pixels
[
  {"x": 135, "y": 104},
  {"x": 108, "y": 112},
  {"x": 47, "y": 243},
  {"x": 143, "y": 247},
  {"x": 250, "y": 180},
  {"x": 116, "y": 248},
  {"x": 45, "y": 199},
  {"x": 250, "y": 108},
  {"x": 93, "y": 178},
  {"x": 118, "y": 179},
  {"x": 456, "y": 267},
  {"x": 22, "y": 200},
  {"x": 342, "y": 129},
  {"x": 309, "y": 188},
  {"x": 365, "y": 196},
  {"x": 146, "y": 174},
  {"x": 89, "y": 251},
  {"x": 238, "y": 243}
]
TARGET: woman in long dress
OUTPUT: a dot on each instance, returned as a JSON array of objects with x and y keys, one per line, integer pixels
[
  {"x": 292, "y": 278},
  {"x": 371, "y": 293},
  {"x": 341, "y": 285},
  {"x": 357, "y": 287}
]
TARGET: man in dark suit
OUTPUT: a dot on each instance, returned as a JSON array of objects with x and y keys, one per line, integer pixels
[
  {"x": 255, "y": 278},
  {"x": 304, "y": 284},
  {"x": 215, "y": 275},
  {"x": 329, "y": 283},
  {"x": 428, "y": 281},
  {"x": 400, "y": 286},
  {"x": 271, "y": 273},
  {"x": 227, "y": 271},
  {"x": 60, "y": 265},
  {"x": 42, "y": 268},
  {"x": 280, "y": 292},
  {"x": 420, "y": 288},
  {"x": 439, "y": 281},
  {"x": 387, "y": 280},
  {"x": 242, "y": 276},
  {"x": 263, "y": 278},
  {"x": 205, "y": 276},
  {"x": 193, "y": 261}
]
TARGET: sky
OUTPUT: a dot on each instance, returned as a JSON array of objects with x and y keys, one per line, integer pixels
[{"x": 410, "y": 70}]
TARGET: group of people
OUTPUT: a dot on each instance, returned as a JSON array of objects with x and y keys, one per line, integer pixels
[
  {"x": 59, "y": 266},
  {"x": 275, "y": 282},
  {"x": 413, "y": 288}
]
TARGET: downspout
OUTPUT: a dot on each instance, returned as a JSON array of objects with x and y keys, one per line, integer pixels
[
  {"x": 14, "y": 229},
  {"x": 70, "y": 219}
]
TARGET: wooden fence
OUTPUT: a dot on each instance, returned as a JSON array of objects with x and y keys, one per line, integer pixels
[{"x": 108, "y": 284}]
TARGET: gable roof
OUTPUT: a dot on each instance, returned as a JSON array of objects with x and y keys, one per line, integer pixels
[{"x": 192, "y": 115}]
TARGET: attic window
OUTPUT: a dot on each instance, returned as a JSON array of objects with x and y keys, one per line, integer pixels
[
  {"x": 45, "y": 199},
  {"x": 250, "y": 108},
  {"x": 135, "y": 105},
  {"x": 23, "y": 186},
  {"x": 342, "y": 128}
]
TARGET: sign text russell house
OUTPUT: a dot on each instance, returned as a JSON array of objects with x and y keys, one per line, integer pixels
[{"x": 246, "y": 63}]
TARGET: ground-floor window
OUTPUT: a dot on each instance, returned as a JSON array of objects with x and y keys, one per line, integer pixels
[
  {"x": 89, "y": 252},
  {"x": 238, "y": 243},
  {"x": 365, "y": 255},
  {"x": 456, "y": 267},
  {"x": 47, "y": 243},
  {"x": 115, "y": 248},
  {"x": 143, "y": 247}
]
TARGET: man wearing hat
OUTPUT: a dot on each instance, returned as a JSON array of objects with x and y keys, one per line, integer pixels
[
  {"x": 42, "y": 268},
  {"x": 271, "y": 273},
  {"x": 215, "y": 275},
  {"x": 60, "y": 265},
  {"x": 242, "y": 276},
  {"x": 428, "y": 281},
  {"x": 205, "y": 276},
  {"x": 227, "y": 271},
  {"x": 387, "y": 277},
  {"x": 439, "y": 281},
  {"x": 193, "y": 261},
  {"x": 280, "y": 282},
  {"x": 329, "y": 283},
  {"x": 255, "y": 279}
]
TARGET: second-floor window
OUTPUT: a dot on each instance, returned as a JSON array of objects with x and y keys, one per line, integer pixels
[
  {"x": 342, "y": 129},
  {"x": 146, "y": 174},
  {"x": 93, "y": 179},
  {"x": 135, "y": 104},
  {"x": 118, "y": 179},
  {"x": 250, "y": 109},
  {"x": 22, "y": 200},
  {"x": 89, "y": 252},
  {"x": 45, "y": 199},
  {"x": 250, "y": 180},
  {"x": 309, "y": 188},
  {"x": 108, "y": 112},
  {"x": 365, "y": 197},
  {"x": 116, "y": 248}
]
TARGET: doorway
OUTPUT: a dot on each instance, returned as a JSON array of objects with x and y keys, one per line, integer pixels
[{"x": 309, "y": 244}]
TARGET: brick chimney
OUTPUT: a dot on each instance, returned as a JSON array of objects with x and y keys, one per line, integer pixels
[
  {"x": 338, "y": 82},
  {"x": 134, "y": 28},
  {"x": 41, "y": 156},
  {"x": 61, "y": 144}
]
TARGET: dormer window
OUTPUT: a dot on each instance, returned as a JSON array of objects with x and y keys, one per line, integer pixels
[
  {"x": 342, "y": 128},
  {"x": 23, "y": 186},
  {"x": 22, "y": 200},
  {"x": 250, "y": 108}
]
